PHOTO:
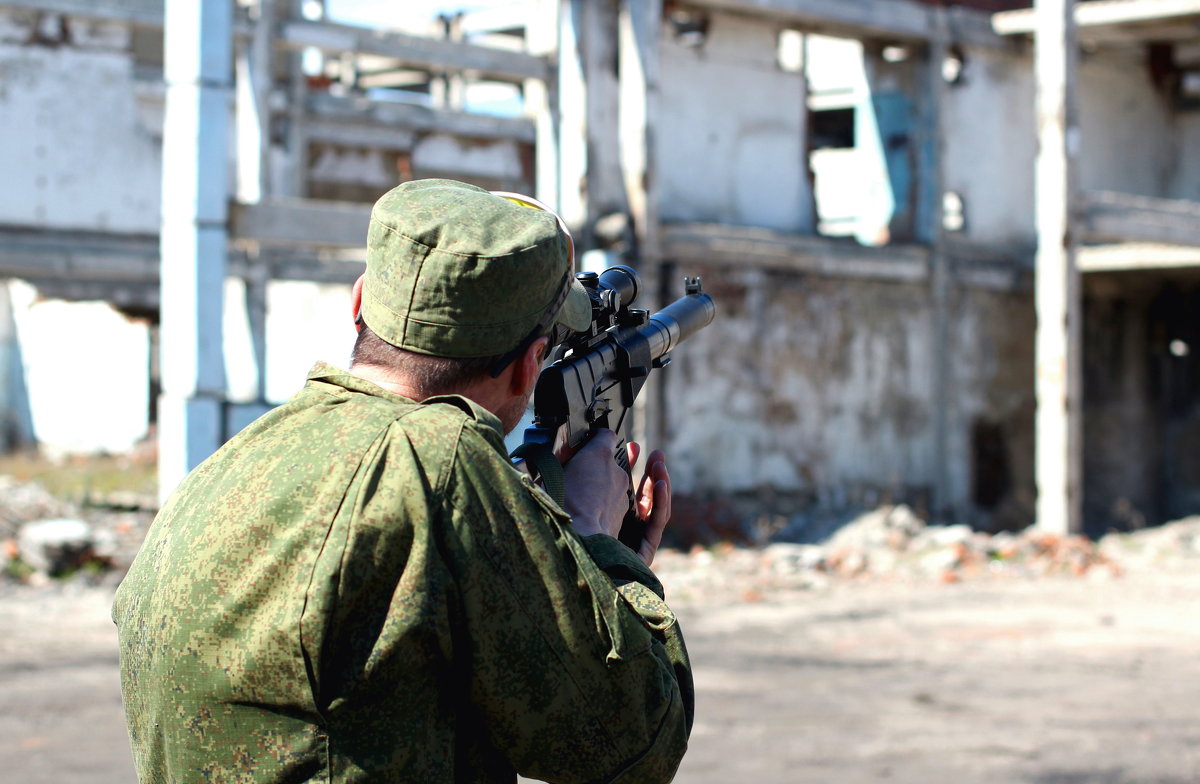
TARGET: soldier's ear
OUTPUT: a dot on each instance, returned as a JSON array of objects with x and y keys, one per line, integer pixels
[
  {"x": 528, "y": 366},
  {"x": 356, "y": 302}
]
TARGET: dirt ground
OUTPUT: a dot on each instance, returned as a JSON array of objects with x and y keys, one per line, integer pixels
[{"x": 1048, "y": 680}]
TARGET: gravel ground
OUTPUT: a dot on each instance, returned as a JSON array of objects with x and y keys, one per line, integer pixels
[
  {"x": 60, "y": 696},
  {"x": 1046, "y": 680},
  {"x": 1057, "y": 679}
]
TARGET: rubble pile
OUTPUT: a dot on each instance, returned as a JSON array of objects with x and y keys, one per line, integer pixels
[
  {"x": 893, "y": 543},
  {"x": 23, "y": 502},
  {"x": 42, "y": 536},
  {"x": 892, "y": 540},
  {"x": 1152, "y": 548}
]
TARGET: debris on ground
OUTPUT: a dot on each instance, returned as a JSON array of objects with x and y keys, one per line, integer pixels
[
  {"x": 56, "y": 546},
  {"x": 43, "y": 536},
  {"x": 892, "y": 543},
  {"x": 24, "y": 502}
]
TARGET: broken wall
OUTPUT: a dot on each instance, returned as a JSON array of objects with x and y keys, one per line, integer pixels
[
  {"x": 1134, "y": 139},
  {"x": 820, "y": 392},
  {"x": 814, "y": 392}
]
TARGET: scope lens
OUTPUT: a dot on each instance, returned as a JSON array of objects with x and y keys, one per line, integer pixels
[{"x": 623, "y": 281}]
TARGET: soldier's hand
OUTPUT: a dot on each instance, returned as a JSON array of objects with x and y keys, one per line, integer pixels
[
  {"x": 652, "y": 504},
  {"x": 597, "y": 489}
]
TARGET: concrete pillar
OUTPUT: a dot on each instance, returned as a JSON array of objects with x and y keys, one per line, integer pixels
[
  {"x": 253, "y": 110},
  {"x": 1058, "y": 429},
  {"x": 254, "y": 84},
  {"x": 572, "y": 115},
  {"x": 448, "y": 90},
  {"x": 930, "y": 228},
  {"x": 194, "y": 233},
  {"x": 541, "y": 102},
  {"x": 293, "y": 179},
  {"x": 640, "y": 25},
  {"x": 589, "y": 101},
  {"x": 641, "y": 21},
  {"x": 599, "y": 43}
]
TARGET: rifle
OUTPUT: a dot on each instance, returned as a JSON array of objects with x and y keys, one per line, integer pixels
[{"x": 595, "y": 374}]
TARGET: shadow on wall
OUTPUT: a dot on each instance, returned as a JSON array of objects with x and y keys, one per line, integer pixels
[
  {"x": 757, "y": 519},
  {"x": 1141, "y": 400}
]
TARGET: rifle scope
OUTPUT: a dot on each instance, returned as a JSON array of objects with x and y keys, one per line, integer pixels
[
  {"x": 615, "y": 289},
  {"x": 597, "y": 373}
]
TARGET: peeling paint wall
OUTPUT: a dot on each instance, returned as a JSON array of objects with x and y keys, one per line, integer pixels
[
  {"x": 730, "y": 131},
  {"x": 818, "y": 392}
]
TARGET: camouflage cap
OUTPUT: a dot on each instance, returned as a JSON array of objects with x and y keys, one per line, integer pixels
[{"x": 456, "y": 271}]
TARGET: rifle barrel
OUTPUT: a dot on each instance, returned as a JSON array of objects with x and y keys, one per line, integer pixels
[{"x": 677, "y": 322}]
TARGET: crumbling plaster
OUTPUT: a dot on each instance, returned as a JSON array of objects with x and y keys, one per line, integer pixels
[{"x": 823, "y": 388}]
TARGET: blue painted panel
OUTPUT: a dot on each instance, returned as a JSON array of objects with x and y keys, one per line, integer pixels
[{"x": 893, "y": 115}]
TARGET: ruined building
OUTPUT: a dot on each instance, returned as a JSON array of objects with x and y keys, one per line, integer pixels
[{"x": 862, "y": 185}]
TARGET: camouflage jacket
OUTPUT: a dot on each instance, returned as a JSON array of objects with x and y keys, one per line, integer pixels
[{"x": 361, "y": 588}]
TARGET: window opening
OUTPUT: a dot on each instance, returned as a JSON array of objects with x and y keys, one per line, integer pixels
[{"x": 859, "y": 139}]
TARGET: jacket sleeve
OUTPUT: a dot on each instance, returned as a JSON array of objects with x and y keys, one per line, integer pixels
[{"x": 577, "y": 668}]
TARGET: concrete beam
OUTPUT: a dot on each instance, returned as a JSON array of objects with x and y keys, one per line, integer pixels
[
  {"x": 742, "y": 246},
  {"x": 313, "y": 269},
  {"x": 117, "y": 268},
  {"x": 124, "y": 271},
  {"x": 28, "y": 253},
  {"x": 503, "y": 19},
  {"x": 345, "y": 120},
  {"x": 1137, "y": 256},
  {"x": 146, "y": 13},
  {"x": 415, "y": 51},
  {"x": 894, "y": 20},
  {"x": 281, "y": 221},
  {"x": 97, "y": 262},
  {"x": 343, "y": 133},
  {"x": 1102, "y": 13},
  {"x": 1176, "y": 31},
  {"x": 1125, "y": 217}
]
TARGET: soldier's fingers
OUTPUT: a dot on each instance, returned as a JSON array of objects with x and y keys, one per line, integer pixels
[
  {"x": 657, "y": 522},
  {"x": 632, "y": 450},
  {"x": 656, "y": 470}
]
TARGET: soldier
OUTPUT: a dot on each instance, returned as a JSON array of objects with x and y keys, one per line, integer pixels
[{"x": 360, "y": 587}]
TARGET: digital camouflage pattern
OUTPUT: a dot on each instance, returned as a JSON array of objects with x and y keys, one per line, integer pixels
[
  {"x": 361, "y": 588},
  {"x": 448, "y": 262}
]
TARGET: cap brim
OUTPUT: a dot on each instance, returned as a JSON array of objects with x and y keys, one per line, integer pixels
[{"x": 576, "y": 312}]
